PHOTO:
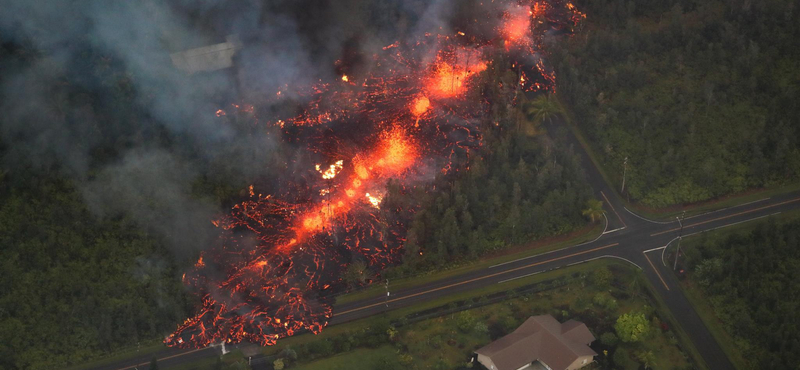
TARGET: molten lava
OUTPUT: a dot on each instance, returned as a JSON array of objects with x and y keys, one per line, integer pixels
[
  {"x": 361, "y": 142},
  {"x": 451, "y": 73},
  {"x": 420, "y": 106},
  {"x": 517, "y": 25}
]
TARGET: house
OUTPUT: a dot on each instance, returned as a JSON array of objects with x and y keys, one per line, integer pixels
[{"x": 541, "y": 342}]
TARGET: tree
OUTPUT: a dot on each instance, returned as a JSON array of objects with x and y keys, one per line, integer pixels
[
  {"x": 632, "y": 327},
  {"x": 278, "y": 364},
  {"x": 594, "y": 209},
  {"x": 609, "y": 339},
  {"x": 544, "y": 108},
  {"x": 465, "y": 321},
  {"x": 623, "y": 359},
  {"x": 601, "y": 278},
  {"x": 357, "y": 273},
  {"x": 647, "y": 358}
]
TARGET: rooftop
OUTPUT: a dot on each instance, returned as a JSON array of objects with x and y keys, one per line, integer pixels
[{"x": 540, "y": 338}]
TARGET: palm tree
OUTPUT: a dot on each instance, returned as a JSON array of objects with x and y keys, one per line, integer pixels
[
  {"x": 544, "y": 108},
  {"x": 595, "y": 210}
]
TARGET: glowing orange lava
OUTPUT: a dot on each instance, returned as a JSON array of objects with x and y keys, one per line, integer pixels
[
  {"x": 281, "y": 255},
  {"x": 517, "y": 25},
  {"x": 396, "y": 152},
  {"x": 420, "y": 105},
  {"x": 450, "y": 78}
]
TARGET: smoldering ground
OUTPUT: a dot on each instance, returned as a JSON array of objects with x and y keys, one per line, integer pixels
[{"x": 89, "y": 91}]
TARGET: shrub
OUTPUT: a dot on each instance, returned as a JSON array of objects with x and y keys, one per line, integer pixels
[
  {"x": 611, "y": 305},
  {"x": 632, "y": 327},
  {"x": 609, "y": 339},
  {"x": 600, "y": 299},
  {"x": 435, "y": 341},
  {"x": 481, "y": 328},
  {"x": 320, "y": 348},
  {"x": 465, "y": 321},
  {"x": 288, "y": 353},
  {"x": 623, "y": 359},
  {"x": 406, "y": 359},
  {"x": 601, "y": 278}
]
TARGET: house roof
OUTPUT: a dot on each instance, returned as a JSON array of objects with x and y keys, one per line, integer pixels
[{"x": 541, "y": 338}]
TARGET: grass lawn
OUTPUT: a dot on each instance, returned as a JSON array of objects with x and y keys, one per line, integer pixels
[
  {"x": 232, "y": 360},
  {"x": 149, "y": 347},
  {"x": 447, "y": 342},
  {"x": 537, "y": 247},
  {"x": 358, "y": 359}
]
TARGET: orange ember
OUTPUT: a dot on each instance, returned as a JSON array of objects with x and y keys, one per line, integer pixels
[
  {"x": 517, "y": 26},
  {"x": 396, "y": 153},
  {"x": 451, "y": 80},
  {"x": 362, "y": 173},
  {"x": 420, "y": 106}
]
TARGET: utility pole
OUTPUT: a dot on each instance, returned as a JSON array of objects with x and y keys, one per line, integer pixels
[
  {"x": 624, "y": 172},
  {"x": 386, "y": 298},
  {"x": 680, "y": 237}
]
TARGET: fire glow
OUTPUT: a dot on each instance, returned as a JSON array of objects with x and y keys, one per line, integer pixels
[{"x": 280, "y": 254}]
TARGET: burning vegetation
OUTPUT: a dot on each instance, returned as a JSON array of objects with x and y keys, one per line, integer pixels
[{"x": 406, "y": 122}]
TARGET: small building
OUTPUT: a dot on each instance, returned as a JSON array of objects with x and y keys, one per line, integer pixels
[{"x": 541, "y": 342}]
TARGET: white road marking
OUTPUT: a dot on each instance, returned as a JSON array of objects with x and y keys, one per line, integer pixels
[{"x": 735, "y": 223}]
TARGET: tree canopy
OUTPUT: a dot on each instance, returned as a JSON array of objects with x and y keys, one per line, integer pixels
[
  {"x": 752, "y": 282},
  {"x": 632, "y": 327},
  {"x": 700, "y": 96}
]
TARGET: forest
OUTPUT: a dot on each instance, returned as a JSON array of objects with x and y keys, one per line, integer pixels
[
  {"x": 751, "y": 280},
  {"x": 699, "y": 96},
  {"x": 518, "y": 188}
]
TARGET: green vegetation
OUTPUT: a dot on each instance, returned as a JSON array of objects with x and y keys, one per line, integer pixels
[
  {"x": 749, "y": 280},
  {"x": 453, "y": 269},
  {"x": 231, "y": 361},
  {"x": 632, "y": 327},
  {"x": 78, "y": 287},
  {"x": 383, "y": 357},
  {"x": 698, "y": 95},
  {"x": 597, "y": 293},
  {"x": 517, "y": 189}
]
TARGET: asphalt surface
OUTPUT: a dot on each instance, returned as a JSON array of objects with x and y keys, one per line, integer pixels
[{"x": 628, "y": 237}]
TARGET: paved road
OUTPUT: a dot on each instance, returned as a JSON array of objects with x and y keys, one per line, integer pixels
[
  {"x": 640, "y": 243},
  {"x": 628, "y": 237}
]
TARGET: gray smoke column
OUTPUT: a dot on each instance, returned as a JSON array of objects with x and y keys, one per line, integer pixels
[{"x": 46, "y": 127}]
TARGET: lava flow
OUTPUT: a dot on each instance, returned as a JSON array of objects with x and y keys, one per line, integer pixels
[{"x": 358, "y": 137}]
